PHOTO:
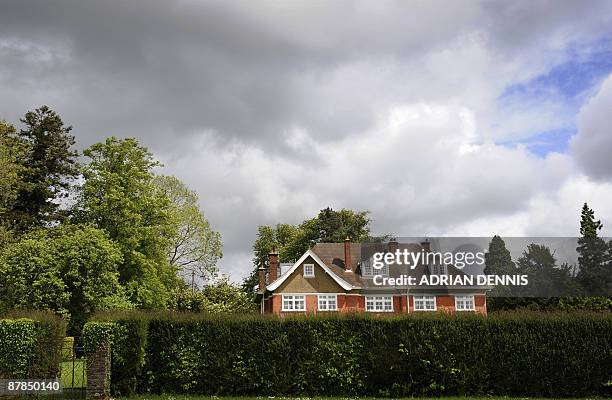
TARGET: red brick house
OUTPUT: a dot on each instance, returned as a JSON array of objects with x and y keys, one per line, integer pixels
[{"x": 334, "y": 277}]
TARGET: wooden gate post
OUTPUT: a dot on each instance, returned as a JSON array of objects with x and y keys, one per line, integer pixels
[{"x": 98, "y": 373}]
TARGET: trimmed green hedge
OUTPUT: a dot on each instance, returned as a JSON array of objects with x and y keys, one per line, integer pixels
[
  {"x": 128, "y": 334},
  {"x": 30, "y": 345},
  {"x": 507, "y": 354}
]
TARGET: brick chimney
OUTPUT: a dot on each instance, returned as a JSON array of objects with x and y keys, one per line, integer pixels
[
  {"x": 273, "y": 265},
  {"x": 393, "y": 245},
  {"x": 425, "y": 246},
  {"x": 261, "y": 271},
  {"x": 347, "y": 254}
]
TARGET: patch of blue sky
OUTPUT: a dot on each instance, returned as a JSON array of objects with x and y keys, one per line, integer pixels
[
  {"x": 585, "y": 67},
  {"x": 553, "y": 141},
  {"x": 570, "y": 84}
]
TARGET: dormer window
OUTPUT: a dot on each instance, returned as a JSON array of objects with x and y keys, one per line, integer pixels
[
  {"x": 368, "y": 270},
  {"x": 438, "y": 270},
  {"x": 308, "y": 270}
]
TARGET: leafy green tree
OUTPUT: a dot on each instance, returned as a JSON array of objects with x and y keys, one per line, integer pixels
[
  {"x": 30, "y": 278},
  {"x": 49, "y": 168},
  {"x": 328, "y": 226},
  {"x": 221, "y": 296},
  {"x": 89, "y": 263},
  {"x": 334, "y": 226},
  {"x": 594, "y": 256},
  {"x": 291, "y": 242},
  {"x": 498, "y": 260},
  {"x": 546, "y": 279},
  {"x": 12, "y": 152},
  {"x": 278, "y": 238},
  {"x": 119, "y": 195},
  {"x": 195, "y": 248},
  {"x": 69, "y": 269}
]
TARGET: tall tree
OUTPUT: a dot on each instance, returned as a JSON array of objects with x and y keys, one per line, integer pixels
[
  {"x": 546, "y": 278},
  {"x": 12, "y": 152},
  {"x": 328, "y": 226},
  {"x": 268, "y": 238},
  {"x": 498, "y": 261},
  {"x": 594, "y": 256},
  {"x": 119, "y": 196},
  {"x": 50, "y": 166},
  {"x": 291, "y": 241},
  {"x": 195, "y": 248}
]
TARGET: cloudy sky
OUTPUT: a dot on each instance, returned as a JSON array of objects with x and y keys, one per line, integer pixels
[{"x": 441, "y": 118}]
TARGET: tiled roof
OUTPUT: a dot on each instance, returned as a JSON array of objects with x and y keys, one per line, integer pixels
[{"x": 332, "y": 254}]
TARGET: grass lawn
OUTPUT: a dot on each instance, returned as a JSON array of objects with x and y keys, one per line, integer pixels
[
  {"x": 80, "y": 378},
  {"x": 195, "y": 397}
]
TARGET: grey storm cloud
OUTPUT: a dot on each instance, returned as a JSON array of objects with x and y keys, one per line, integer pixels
[
  {"x": 155, "y": 68},
  {"x": 242, "y": 69},
  {"x": 592, "y": 146},
  {"x": 274, "y": 110}
]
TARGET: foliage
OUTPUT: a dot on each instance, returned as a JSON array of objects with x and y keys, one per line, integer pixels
[
  {"x": 498, "y": 260},
  {"x": 30, "y": 345},
  {"x": 70, "y": 269},
  {"x": 219, "y": 297},
  {"x": 127, "y": 334},
  {"x": 589, "y": 303},
  {"x": 96, "y": 334},
  {"x": 68, "y": 347},
  {"x": 594, "y": 256},
  {"x": 16, "y": 346},
  {"x": 291, "y": 242},
  {"x": 114, "y": 252},
  {"x": 30, "y": 278},
  {"x": 48, "y": 168},
  {"x": 526, "y": 354},
  {"x": 195, "y": 248},
  {"x": 12, "y": 153},
  {"x": 119, "y": 196},
  {"x": 546, "y": 278}
]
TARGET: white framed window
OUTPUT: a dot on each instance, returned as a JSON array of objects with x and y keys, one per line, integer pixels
[
  {"x": 367, "y": 269},
  {"x": 309, "y": 270},
  {"x": 328, "y": 302},
  {"x": 425, "y": 303},
  {"x": 379, "y": 303},
  {"x": 294, "y": 302},
  {"x": 465, "y": 303},
  {"x": 438, "y": 270}
]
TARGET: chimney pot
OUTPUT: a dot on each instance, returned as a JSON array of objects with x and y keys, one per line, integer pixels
[
  {"x": 393, "y": 245},
  {"x": 273, "y": 265},
  {"x": 261, "y": 271},
  {"x": 347, "y": 254},
  {"x": 426, "y": 245}
]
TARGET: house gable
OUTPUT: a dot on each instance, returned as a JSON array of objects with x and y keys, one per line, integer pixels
[
  {"x": 323, "y": 270},
  {"x": 321, "y": 282}
]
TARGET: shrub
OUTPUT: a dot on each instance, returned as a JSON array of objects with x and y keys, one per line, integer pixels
[
  {"x": 532, "y": 354},
  {"x": 127, "y": 332},
  {"x": 30, "y": 345},
  {"x": 68, "y": 347},
  {"x": 220, "y": 297}
]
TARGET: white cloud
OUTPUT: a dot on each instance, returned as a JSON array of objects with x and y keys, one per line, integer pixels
[
  {"x": 592, "y": 146},
  {"x": 274, "y": 110},
  {"x": 417, "y": 170}
]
